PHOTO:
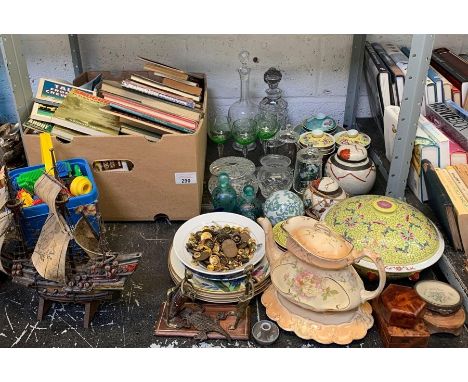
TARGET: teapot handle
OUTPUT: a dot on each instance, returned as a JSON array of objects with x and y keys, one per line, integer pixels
[{"x": 369, "y": 295}]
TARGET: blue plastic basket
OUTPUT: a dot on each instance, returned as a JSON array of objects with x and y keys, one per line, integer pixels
[{"x": 34, "y": 217}]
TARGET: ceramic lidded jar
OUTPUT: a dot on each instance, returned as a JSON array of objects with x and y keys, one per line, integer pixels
[
  {"x": 405, "y": 238},
  {"x": 282, "y": 205},
  {"x": 352, "y": 136},
  {"x": 322, "y": 122},
  {"x": 321, "y": 194},
  {"x": 352, "y": 169},
  {"x": 316, "y": 272}
]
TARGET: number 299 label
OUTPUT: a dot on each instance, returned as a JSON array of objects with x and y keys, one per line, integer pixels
[{"x": 186, "y": 178}]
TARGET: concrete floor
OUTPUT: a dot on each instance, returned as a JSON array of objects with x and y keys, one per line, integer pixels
[{"x": 128, "y": 321}]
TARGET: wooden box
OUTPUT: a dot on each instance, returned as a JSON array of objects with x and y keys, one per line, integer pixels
[
  {"x": 402, "y": 306},
  {"x": 396, "y": 337},
  {"x": 153, "y": 186}
]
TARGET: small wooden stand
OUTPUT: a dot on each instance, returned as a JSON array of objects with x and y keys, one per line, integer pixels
[
  {"x": 242, "y": 332},
  {"x": 90, "y": 309}
]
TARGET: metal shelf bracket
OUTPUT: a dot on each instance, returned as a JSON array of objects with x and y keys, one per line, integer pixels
[{"x": 415, "y": 82}]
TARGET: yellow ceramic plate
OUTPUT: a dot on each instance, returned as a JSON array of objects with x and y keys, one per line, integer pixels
[{"x": 280, "y": 234}]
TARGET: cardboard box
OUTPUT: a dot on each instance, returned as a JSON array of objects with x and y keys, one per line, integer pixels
[{"x": 166, "y": 178}]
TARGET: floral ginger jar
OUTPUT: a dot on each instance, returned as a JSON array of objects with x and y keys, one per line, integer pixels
[
  {"x": 322, "y": 194},
  {"x": 352, "y": 169}
]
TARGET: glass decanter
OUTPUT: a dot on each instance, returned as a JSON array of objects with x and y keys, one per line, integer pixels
[
  {"x": 248, "y": 204},
  {"x": 224, "y": 197},
  {"x": 244, "y": 108},
  {"x": 273, "y": 103}
]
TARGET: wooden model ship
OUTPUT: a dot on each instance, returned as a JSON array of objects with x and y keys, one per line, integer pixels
[{"x": 65, "y": 262}]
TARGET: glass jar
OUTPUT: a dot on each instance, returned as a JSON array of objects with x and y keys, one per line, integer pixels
[
  {"x": 285, "y": 143},
  {"x": 241, "y": 172},
  {"x": 275, "y": 174},
  {"x": 308, "y": 167}
]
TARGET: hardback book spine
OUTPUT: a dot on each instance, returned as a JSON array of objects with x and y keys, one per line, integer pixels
[
  {"x": 136, "y": 106},
  {"x": 456, "y": 195},
  {"x": 158, "y": 93},
  {"x": 441, "y": 204},
  {"x": 449, "y": 122}
]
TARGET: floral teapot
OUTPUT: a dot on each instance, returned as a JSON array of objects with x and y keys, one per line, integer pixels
[{"x": 316, "y": 272}]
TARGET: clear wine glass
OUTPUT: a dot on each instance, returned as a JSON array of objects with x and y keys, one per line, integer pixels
[
  {"x": 267, "y": 127},
  {"x": 219, "y": 132},
  {"x": 244, "y": 132}
]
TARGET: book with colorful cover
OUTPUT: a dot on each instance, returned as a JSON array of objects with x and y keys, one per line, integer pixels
[
  {"x": 42, "y": 112},
  {"x": 144, "y": 110},
  {"x": 55, "y": 91},
  {"x": 452, "y": 67},
  {"x": 148, "y": 100},
  {"x": 449, "y": 122},
  {"x": 154, "y": 84},
  {"x": 81, "y": 112}
]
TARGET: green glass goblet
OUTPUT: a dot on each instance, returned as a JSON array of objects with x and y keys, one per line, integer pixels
[
  {"x": 267, "y": 127},
  {"x": 219, "y": 132},
  {"x": 244, "y": 132}
]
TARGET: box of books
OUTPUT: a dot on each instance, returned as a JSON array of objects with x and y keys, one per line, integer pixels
[{"x": 142, "y": 133}]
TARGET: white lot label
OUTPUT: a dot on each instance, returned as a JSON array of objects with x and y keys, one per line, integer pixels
[{"x": 186, "y": 178}]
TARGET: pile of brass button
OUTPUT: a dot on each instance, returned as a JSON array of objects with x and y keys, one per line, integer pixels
[{"x": 221, "y": 248}]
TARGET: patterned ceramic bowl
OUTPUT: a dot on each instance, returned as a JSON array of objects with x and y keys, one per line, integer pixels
[{"x": 282, "y": 205}]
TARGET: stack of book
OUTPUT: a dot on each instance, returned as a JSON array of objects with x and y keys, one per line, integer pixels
[
  {"x": 385, "y": 67},
  {"x": 166, "y": 100},
  {"x": 448, "y": 197},
  {"x": 162, "y": 100}
]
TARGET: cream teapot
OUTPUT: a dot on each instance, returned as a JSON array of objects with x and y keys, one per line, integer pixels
[{"x": 316, "y": 272}]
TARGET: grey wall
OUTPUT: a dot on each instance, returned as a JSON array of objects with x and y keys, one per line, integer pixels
[{"x": 315, "y": 67}]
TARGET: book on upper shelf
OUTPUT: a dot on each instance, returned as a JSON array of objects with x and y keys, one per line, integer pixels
[
  {"x": 459, "y": 202},
  {"x": 81, "y": 112},
  {"x": 134, "y": 107},
  {"x": 141, "y": 123},
  {"x": 452, "y": 67},
  {"x": 424, "y": 148},
  {"x": 396, "y": 74},
  {"x": 148, "y": 100},
  {"x": 55, "y": 92},
  {"x": 155, "y": 84},
  {"x": 42, "y": 112},
  {"x": 437, "y": 94},
  {"x": 171, "y": 72},
  {"x": 402, "y": 62},
  {"x": 450, "y": 123},
  {"x": 441, "y": 204},
  {"x": 126, "y": 129},
  {"x": 378, "y": 83}
]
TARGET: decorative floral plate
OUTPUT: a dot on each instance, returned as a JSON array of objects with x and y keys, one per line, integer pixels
[{"x": 406, "y": 239}]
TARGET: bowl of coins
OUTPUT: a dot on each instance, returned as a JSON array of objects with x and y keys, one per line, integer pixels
[{"x": 219, "y": 245}]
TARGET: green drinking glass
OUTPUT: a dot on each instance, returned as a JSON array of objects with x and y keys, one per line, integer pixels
[
  {"x": 219, "y": 132},
  {"x": 267, "y": 127},
  {"x": 244, "y": 132}
]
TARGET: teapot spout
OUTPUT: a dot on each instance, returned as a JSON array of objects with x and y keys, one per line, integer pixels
[{"x": 273, "y": 253}]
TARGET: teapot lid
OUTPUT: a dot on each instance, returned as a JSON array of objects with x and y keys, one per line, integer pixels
[{"x": 317, "y": 239}]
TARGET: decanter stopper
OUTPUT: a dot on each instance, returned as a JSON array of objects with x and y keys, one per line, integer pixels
[
  {"x": 249, "y": 206},
  {"x": 272, "y": 77},
  {"x": 224, "y": 197}
]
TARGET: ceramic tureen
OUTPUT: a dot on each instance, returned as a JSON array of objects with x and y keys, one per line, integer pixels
[
  {"x": 405, "y": 238},
  {"x": 316, "y": 272}
]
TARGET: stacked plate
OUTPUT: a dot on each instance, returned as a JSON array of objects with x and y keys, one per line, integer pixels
[
  {"x": 324, "y": 142},
  {"x": 351, "y": 137},
  {"x": 218, "y": 286}
]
